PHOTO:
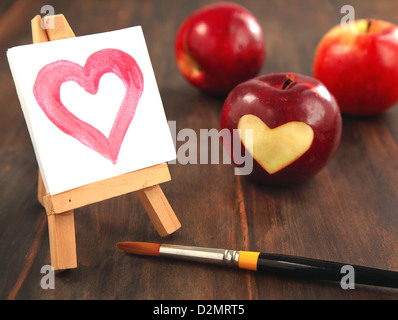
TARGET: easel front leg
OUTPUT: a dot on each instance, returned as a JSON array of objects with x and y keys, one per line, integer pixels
[
  {"x": 62, "y": 238},
  {"x": 159, "y": 210},
  {"x": 61, "y": 230}
]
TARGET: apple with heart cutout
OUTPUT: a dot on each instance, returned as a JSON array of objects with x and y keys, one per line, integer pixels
[
  {"x": 296, "y": 126},
  {"x": 219, "y": 46},
  {"x": 359, "y": 66}
]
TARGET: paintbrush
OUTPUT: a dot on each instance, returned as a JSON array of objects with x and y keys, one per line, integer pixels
[{"x": 277, "y": 264}]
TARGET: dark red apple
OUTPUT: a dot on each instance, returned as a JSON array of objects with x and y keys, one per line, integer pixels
[
  {"x": 296, "y": 126},
  {"x": 219, "y": 46},
  {"x": 359, "y": 66}
]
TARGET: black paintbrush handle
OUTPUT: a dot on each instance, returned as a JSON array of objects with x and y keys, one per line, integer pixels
[{"x": 323, "y": 270}]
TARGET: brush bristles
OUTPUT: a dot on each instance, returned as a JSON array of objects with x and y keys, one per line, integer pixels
[{"x": 141, "y": 248}]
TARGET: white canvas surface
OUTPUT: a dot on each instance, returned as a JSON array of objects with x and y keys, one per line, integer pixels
[{"x": 64, "y": 161}]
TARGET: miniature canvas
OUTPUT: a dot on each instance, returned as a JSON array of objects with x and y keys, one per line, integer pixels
[{"x": 92, "y": 107}]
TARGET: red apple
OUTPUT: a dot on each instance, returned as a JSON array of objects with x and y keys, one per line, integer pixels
[
  {"x": 220, "y": 46},
  {"x": 359, "y": 66},
  {"x": 296, "y": 126}
]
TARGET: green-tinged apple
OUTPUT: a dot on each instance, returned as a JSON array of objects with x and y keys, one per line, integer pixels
[
  {"x": 359, "y": 66},
  {"x": 219, "y": 46},
  {"x": 295, "y": 126}
]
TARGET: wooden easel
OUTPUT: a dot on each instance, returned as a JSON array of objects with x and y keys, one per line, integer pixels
[{"x": 59, "y": 207}]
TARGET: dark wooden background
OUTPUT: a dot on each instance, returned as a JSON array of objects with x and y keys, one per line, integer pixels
[{"x": 348, "y": 212}]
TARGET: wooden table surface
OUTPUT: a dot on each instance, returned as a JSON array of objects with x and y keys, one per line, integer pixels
[{"x": 347, "y": 213}]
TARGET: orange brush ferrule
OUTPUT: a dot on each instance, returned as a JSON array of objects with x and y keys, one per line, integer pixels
[{"x": 248, "y": 260}]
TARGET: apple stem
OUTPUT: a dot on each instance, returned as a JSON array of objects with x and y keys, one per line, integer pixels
[
  {"x": 369, "y": 25},
  {"x": 288, "y": 82}
]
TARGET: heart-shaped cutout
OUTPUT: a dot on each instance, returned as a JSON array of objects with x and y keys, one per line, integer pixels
[
  {"x": 47, "y": 93},
  {"x": 275, "y": 149}
]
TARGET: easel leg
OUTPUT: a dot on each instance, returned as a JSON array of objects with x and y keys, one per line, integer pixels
[
  {"x": 61, "y": 228},
  {"x": 41, "y": 190},
  {"x": 159, "y": 210}
]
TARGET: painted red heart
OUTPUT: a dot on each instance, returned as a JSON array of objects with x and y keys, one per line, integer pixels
[{"x": 47, "y": 93}]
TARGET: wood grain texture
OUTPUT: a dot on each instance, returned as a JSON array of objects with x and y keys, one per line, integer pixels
[
  {"x": 109, "y": 188},
  {"x": 155, "y": 202},
  {"x": 62, "y": 240},
  {"x": 347, "y": 213}
]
